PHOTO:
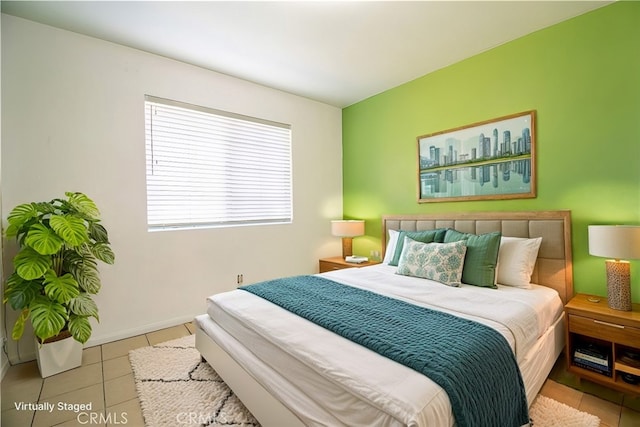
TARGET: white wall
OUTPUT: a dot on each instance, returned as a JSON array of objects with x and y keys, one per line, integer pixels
[
  {"x": 72, "y": 113},
  {"x": 4, "y": 362}
]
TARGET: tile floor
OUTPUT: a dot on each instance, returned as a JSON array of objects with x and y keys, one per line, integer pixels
[
  {"x": 106, "y": 380},
  {"x": 612, "y": 407}
]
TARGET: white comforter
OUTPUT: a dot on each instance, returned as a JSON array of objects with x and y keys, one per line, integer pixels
[{"x": 355, "y": 385}]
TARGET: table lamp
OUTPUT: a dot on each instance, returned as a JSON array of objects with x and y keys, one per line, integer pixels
[
  {"x": 619, "y": 242},
  {"x": 347, "y": 229}
]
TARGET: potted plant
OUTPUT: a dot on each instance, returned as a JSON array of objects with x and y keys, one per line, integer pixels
[{"x": 56, "y": 273}]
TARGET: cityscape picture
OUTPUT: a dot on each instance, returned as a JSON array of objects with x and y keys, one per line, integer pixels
[{"x": 493, "y": 159}]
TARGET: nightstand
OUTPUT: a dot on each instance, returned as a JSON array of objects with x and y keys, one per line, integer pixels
[
  {"x": 338, "y": 263},
  {"x": 603, "y": 344}
]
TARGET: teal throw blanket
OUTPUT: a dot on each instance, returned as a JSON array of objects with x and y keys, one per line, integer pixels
[{"x": 470, "y": 361}]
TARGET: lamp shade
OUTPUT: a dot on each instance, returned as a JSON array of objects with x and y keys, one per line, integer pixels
[
  {"x": 615, "y": 241},
  {"x": 347, "y": 228}
]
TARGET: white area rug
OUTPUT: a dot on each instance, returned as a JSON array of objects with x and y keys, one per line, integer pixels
[
  {"x": 176, "y": 388},
  {"x": 546, "y": 412}
]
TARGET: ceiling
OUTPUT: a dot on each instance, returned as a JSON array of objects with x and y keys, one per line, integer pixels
[{"x": 336, "y": 52}]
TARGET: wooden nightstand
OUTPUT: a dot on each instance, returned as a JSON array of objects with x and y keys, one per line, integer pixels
[
  {"x": 338, "y": 263},
  {"x": 594, "y": 326}
]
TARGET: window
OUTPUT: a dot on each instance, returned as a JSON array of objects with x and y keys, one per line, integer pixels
[{"x": 214, "y": 168}]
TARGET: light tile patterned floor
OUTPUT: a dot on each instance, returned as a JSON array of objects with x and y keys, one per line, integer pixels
[
  {"x": 106, "y": 380},
  {"x": 612, "y": 407}
]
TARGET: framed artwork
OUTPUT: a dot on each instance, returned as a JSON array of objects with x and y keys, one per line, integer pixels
[{"x": 494, "y": 159}]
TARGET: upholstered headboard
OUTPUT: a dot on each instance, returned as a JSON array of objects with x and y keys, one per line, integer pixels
[{"x": 554, "y": 265}]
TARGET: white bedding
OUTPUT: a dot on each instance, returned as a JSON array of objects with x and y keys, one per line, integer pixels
[{"x": 350, "y": 384}]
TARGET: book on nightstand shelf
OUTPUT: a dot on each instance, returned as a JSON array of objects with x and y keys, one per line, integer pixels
[
  {"x": 354, "y": 259},
  {"x": 592, "y": 357}
]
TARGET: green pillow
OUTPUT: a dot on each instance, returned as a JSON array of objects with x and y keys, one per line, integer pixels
[
  {"x": 426, "y": 236},
  {"x": 481, "y": 258}
]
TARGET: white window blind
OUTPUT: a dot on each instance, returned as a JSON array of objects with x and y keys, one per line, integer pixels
[{"x": 213, "y": 168}]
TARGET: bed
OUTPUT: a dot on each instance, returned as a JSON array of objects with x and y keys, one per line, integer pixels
[{"x": 304, "y": 374}]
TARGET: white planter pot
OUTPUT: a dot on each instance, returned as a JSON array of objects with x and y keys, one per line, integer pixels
[{"x": 58, "y": 356}]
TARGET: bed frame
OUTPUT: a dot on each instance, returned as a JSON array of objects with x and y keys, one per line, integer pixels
[{"x": 553, "y": 269}]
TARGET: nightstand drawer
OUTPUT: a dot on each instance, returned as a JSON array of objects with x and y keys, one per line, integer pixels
[
  {"x": 338, "y": 263},
  {"x": 330, "y": 266},
  {"x": 609, "y": 331}
]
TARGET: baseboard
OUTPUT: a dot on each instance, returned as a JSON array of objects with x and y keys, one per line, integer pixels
[{"x": 144, "y": 329}]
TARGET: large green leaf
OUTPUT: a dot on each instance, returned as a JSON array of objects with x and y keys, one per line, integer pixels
[
  {"x": 61, "y": 289},
  {"x": 19, "y": 292},
  {"x": 21, "y": 214},
  {"x": 79, "y": 255},
  {"x": 85, "y": 252},
  {"x": 84, "y": 305},
  {"x": 18, "y": 327},
  {"x": 84, "y": 268},
  {"x": 103, "y": 252},
  {"x": 98, "y": 233},
  {"x": 44, "y": 240},
  {"x": 48, "y": 317},
  {"x": 87, "y": 277},
  {"x": 11, "y": 231},
  {"x": 80, "y": 328},
  {"x": 30, "y": 265},
  {"x": 83, "y": 205},
  {"x": 71, "y": 228},
  {"x": 45, "y": 207}
]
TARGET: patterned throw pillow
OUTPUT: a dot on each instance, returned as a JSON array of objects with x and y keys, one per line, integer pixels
[{"x": 442, "y": 262}]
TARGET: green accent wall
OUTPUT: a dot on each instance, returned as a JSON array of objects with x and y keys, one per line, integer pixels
[{"x": 582, "y": 77}]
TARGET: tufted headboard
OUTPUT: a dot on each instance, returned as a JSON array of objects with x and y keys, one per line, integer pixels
[{"x": 553, "y": 267}]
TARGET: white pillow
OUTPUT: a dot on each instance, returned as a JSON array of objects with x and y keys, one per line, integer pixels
[
  {"x": 391, "y": 246},
  {"x": 516, "y": 259}
]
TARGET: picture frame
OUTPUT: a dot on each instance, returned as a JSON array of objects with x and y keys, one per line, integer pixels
[{"x": 488, "y": 160}]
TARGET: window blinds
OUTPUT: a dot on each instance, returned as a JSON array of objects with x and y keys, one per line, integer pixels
[{"x": 213, "y": 168}]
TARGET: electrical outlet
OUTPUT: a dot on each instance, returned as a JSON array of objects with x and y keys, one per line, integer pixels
[{"x": 240, "y": 279}]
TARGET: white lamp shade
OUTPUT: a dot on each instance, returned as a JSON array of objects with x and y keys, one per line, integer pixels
[
  {"x": 615, "y": 241},
  {"x": 347, "y": 228}
]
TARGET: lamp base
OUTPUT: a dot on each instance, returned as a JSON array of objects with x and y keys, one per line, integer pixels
[
  {"x": 347, "y": 246},
  {"x": 619, "y": 285}
]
